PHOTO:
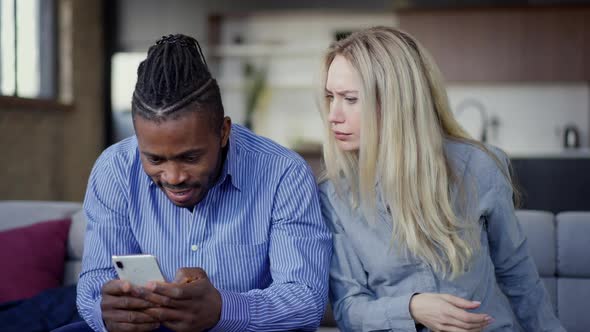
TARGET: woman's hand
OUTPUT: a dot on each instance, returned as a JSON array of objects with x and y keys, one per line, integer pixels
[{"x": 444, "y": 312}]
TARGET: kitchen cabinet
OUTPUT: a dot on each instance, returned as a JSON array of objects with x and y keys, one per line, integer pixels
[
  {"x": 553, "y": 183},
  {"x": 505, "y": 45}
]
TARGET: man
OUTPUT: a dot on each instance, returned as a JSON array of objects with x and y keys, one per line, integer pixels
[{"x": 233, "y": 218}]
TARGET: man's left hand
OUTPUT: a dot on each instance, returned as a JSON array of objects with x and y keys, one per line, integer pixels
[{"x": 190, "y": 303}]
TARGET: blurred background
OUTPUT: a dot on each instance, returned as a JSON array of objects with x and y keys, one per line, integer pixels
[{"x": 517, "y": 72}]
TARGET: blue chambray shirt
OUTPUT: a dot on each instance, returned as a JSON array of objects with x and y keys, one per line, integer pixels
[
  {"x": 371, "y": 282},
  {"x": 258, "y": 234}
]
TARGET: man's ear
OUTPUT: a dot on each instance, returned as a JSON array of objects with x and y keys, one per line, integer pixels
[{"x": 225, "y": 131}]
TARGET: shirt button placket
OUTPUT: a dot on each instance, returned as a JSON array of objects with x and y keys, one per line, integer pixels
[{"x": 197, "y": 235}]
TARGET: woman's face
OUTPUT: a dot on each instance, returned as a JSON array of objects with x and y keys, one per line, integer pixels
[{"x": 342, "y": 93}]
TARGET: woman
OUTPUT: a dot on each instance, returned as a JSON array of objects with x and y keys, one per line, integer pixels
[{"x": 425, "y": 235}]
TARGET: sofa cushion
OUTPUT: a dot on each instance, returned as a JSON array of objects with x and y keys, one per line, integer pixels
[
  {"x": 573, "y": 298},
  {"x": 573, "y": 230},
  {"x": 551, "y": 287},
  {"x": 32, "y": 258},
  {"x": 22, "y": 213},
  {"x": 76, "y": 235},
  {"x": 72, "y": 270},
  {"x": 539, "y": 228}
]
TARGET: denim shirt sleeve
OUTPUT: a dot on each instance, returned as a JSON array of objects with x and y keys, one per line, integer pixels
[
  {"x": 515, "y": 269},
  {"x": 355, "y": 306}
]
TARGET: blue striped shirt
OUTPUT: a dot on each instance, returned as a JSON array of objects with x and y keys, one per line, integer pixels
[{"x": 258, "y": 234}]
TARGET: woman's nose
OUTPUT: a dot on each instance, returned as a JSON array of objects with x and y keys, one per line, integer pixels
[{"x": 336, "y": 114}]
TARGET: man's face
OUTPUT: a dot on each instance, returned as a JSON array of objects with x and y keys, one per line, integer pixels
[{"x": 183, "y": 155}]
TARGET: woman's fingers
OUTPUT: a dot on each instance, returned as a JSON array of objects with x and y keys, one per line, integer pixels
[
  {"x": 451, "y": 328},
  {"x": 452, "y": 321},
  {"x": 459, "y": 302},
  {"x": 468, "y": 317},
  {"x": 467, "y": 321}
]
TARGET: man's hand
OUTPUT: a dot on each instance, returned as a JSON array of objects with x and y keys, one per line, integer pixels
[
  {"x": 443, "y": 312},
  {"x": 122, "y": 310},
  {"x": 190, "y": 303}
]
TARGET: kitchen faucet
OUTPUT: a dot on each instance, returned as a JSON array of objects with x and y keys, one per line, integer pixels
[{"x": 475, "y": 104}]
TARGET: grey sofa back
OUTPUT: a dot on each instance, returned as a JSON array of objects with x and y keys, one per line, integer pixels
[
  {"x": 23, "y": 213},
  {"x": 560, "y": 246}
]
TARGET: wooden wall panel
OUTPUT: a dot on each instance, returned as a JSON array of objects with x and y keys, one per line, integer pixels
[{"x": 505, "y": 44}]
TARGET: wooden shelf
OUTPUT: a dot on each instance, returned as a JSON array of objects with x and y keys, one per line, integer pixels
[{"x": 19, "y": 103}]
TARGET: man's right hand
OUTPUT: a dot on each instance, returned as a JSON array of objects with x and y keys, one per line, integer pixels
[
  {"x": 444, "y": 312},
  {"x": 122, "y": 308}
]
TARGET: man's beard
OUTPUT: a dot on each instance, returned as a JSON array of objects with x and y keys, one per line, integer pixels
[{"x": 180, "y": 187}]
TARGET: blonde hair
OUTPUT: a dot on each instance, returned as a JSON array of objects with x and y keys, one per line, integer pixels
[{"x": 404, "y": 121}]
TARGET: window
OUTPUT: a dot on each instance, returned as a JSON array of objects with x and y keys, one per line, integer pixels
[
  {"x": 123, "y": 78},
  {"x": 27, "y": 48}
]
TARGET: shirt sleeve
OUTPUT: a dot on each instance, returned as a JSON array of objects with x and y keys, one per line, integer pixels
[
  {"x": 515, "y": 269},
  {"x": 356, "y": 307},
  {"x": 107, "y": 233},
  {"x": 300, "y": 247}
]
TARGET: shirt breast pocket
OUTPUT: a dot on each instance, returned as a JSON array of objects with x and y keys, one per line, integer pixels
[
  {"x": 240, "y": 267},
  {"x": 406, "y": 273}
]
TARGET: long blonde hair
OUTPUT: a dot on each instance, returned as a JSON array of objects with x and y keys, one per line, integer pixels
[{"x": 404, "y": 121}]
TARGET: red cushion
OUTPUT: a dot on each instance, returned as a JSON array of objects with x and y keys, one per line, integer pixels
[{"x": 32, "y": 258}]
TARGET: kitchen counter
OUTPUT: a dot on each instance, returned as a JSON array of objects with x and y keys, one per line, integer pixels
[{"x": 552, "y": 154}]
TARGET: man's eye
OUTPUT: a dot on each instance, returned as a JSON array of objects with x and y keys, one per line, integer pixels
[
  {"x": 154, "y": 160},
  {"x": 191, "y": 159}
]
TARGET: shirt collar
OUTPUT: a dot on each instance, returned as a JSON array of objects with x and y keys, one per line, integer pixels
[{"x": 229, "y": 167}]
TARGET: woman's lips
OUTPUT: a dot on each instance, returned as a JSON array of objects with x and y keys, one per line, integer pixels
[{"x": 341, "y": 136}]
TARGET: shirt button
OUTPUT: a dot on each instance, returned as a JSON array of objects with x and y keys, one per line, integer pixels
[{"x": 194, "y": 247}]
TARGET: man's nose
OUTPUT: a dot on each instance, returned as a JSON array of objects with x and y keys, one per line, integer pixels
[{"x": 174, "y": 174}]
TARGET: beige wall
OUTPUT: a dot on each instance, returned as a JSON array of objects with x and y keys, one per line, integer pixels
[
  {"x": 47, "y": 154},
  {"x": 29, "y": 145}
]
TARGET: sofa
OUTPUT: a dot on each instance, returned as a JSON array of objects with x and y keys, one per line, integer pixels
[
  {"x": 560, "y": 246},
  {"x": 15, "y": 214},
  {"x": 558, "y": 243}
]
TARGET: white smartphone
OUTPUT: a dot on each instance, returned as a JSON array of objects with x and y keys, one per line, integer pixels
[{"x": 138, "y": 269}]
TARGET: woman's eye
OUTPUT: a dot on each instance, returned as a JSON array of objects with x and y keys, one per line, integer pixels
[
  {"x": 351, "y": 100},
  {"x": 329, "y": 97}
]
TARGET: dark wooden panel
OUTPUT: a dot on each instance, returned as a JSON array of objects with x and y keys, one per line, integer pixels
[
  {"x": 494, "y": 45},
  {"x": 468, "y": 45},
  {"x": 553, "y": 46},
  {"x": 586, "y": 43}
]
